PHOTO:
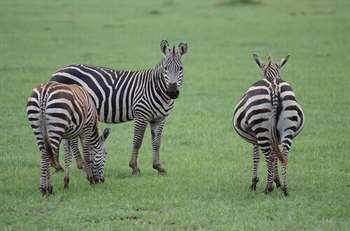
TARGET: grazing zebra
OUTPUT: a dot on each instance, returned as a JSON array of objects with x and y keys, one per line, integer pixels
[
  {"x": 145, "y": 96},
  {"x": 268, "y": 115},
  {"x": 57, "y": 111}
]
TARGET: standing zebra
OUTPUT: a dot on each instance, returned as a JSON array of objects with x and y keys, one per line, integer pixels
[
  {"x": 268, "y": 115},
  {"x": 57, "y": 111},
  {"x": 145, "y": 96}
]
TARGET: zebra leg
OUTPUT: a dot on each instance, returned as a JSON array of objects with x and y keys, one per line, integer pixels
[
  {"x": 156, "y": 130},
  {"x": 284, "y": 170},
  {"x": 139, "y": 131},
  {"x": 67, "y": 161},
  {"x": 45, "y": 184},
  {"x": 256, "y": 158},
  {"x": 87, "y": 157},
  {"x": 277, "y": 178},
  {"x": 270, "y": 160},
  {"x": 57, "y": 164},
  {"x": 75, "y": 149}
]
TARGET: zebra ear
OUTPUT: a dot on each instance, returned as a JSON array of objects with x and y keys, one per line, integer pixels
[
  {"x": 257, "y": 60},
  {"x": 283, "y": 61},
  {"x": 164, "y": 46},
  {"x": 182, "y": 48},
  {"x": 105, "y": 133}
]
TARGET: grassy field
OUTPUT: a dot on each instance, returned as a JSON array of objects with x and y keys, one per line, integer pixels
[{"x": 209, "y": 166}]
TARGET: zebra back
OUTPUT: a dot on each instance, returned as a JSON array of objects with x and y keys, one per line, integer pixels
[{"x": 120, "y": 96}]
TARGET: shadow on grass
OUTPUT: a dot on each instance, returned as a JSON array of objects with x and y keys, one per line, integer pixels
[
  {"x": 154, "y": 12},
  {"x": 238, "y": 2},
  {"x": 128, "y": 175}
]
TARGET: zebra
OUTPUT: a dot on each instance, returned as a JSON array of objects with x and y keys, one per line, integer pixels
[
  {"x": 268, "y": 115},
  {"x": 59, "y": 112},
  {"x": 145, "y": 96}
]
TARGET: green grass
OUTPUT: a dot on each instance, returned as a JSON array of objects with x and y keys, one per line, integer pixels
[{"x": 208, "y": 164}]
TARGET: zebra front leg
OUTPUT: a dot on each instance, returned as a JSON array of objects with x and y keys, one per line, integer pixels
[
  {"x": 256, "y": 158},
  {"x": 270, "y": 160},
  {"x": 75, "y": 149},
  {"x": 156, "y": 130},
  {"x": 67, "y": 161},
  {"x": 139, "y": 131},
  {"x": 277, "y": 178},
  {"x": 87, "y": 157}
]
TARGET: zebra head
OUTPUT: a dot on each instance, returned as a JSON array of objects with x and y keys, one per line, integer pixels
[
  {"x": 172, "y": 67},
  {"x": 99, "y": 154},
  {"x": 269, "y": 69}
]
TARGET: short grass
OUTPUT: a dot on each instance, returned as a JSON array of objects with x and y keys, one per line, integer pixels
[{"x": 208, "y": 164}]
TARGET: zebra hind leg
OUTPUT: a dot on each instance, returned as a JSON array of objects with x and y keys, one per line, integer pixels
[
  {"x": 284, "y": 170},
  {"x": 256, "y": 158},
  {"x": 46, "y": 187},
  {"x": 67, "y": 161},
  {"x": 270, "y": 160},
  {"x": 277, "y": 178}
]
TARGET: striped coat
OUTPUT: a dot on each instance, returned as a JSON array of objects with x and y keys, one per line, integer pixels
[
  {"x": 59, "y": 112},
  {"x": 268, "y": 116},
  {"x": 145, "y": 96}
]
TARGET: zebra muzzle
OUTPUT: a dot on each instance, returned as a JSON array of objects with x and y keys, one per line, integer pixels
[{"x": 172, "y": 91}]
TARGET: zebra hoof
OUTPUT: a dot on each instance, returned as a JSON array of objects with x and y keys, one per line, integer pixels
[
  {"x": 285, "y": 190},
  {"x": 50, "y": 189},
  {"x": 43, "y": 191},
  {"x": 162, "y": 172},
  {"x": 98, "y": 179},
  {"x": 80, "y": 166},
  {"x": 66, "y": 182},
  {"x": 59, "y": 169},
  {"x": 277, "y": 182},
  {"x": 253, "y": 187},
  {"x": 136, "y": 172},
  {"x": 46, "y": 191},
  {"x": 268, "y": 189},
  {"x": 90, "y": 179},
  {"x": 255, "y": 180}
]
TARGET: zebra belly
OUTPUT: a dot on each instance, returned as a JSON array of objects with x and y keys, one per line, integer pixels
[{"x": 72, "y": 132}]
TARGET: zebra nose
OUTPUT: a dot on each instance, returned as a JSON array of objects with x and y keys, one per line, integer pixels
[{"x": 172, "y": 91}]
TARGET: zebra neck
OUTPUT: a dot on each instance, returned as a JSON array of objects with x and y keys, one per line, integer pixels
[{"x": 160, "y": 85}]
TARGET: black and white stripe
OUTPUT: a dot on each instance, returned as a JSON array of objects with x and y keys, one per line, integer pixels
[
  {"x": 145, "y": 96},
  {"x": 57, "y": 111},
  {"x": 268, "y": 115}
]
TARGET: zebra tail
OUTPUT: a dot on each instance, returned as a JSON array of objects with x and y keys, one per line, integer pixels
[
  {"x": 47, "y": 146},
  {"x": 274, "y": 136}
]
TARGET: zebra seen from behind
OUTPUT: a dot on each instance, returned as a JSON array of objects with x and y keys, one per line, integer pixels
[
  {"x": 268, "y": 115},
  {"x": 59, "y": 112},
  {"x": 145, "y": 96}
]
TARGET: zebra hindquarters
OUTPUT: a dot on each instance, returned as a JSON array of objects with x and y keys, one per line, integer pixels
[{"x": 37, "y": 120}]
